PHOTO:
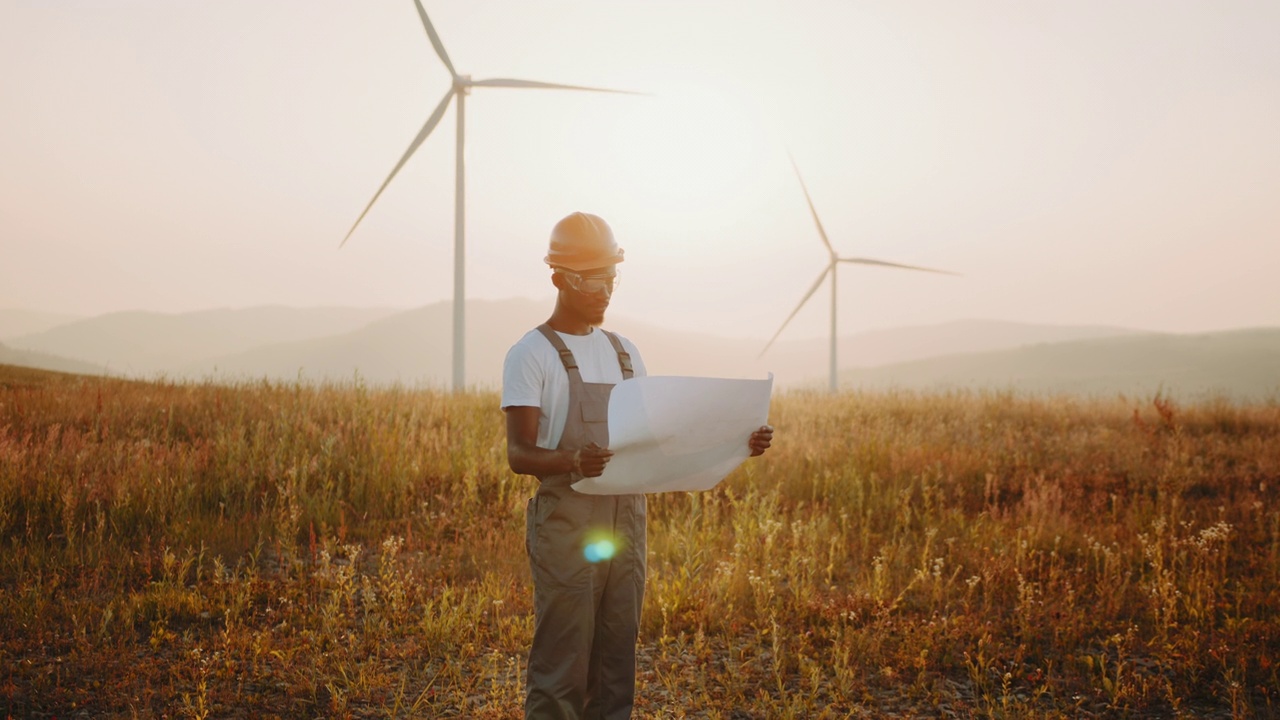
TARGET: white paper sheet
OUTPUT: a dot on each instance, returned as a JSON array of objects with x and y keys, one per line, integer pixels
[{"x": 672, "y": 434}]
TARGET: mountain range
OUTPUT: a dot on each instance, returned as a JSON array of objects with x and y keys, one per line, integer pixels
[
  {"x": 45, "y": 361},
  {"x": 413, "y": 347},
  {"x": 15, "y": 323},
  {"x": 148, "y": 343},
  {"x": 1238, "y": 364}
]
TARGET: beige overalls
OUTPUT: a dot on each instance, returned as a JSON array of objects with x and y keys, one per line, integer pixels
[{"x": 586, "y": 608}]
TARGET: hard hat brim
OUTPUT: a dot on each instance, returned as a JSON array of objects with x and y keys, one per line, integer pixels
[{"x": 583, "y": 262}]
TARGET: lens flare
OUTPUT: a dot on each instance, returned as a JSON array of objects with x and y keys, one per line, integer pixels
[{"x": 599, "y": 550}]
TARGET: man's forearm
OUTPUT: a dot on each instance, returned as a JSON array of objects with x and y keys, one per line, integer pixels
[{"x": 540, "y": 462}]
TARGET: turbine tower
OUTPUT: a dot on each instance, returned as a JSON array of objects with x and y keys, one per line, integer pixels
[
  {"x": 460, "y": 88},
  {"x": 830, "y": 269}
]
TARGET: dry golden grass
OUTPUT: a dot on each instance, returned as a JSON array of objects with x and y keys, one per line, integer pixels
[{"x": 188, "y": 550}]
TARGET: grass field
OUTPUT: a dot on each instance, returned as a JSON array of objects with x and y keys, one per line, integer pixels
[{"x": 270, "y": 550}]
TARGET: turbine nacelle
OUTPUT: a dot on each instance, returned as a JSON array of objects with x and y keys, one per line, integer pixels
[
  {"x": 460, "y": 87},
  {"x": 830, "y": 269}
]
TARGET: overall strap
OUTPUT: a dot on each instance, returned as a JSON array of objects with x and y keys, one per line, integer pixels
[
  {"x": 624, "y": 357},
  {"x": 566, "y": 355},
  {"x": 571, "y": 365}
]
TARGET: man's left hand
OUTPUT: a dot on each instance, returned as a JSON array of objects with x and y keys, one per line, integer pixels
[{"x": 761, "y": 440}]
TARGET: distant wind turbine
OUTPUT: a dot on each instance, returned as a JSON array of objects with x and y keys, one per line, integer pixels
[
  {"x": 830, "y": 269},
  {"x": 460, "y": 88}
]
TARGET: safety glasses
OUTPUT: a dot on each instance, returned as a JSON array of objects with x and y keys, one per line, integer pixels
[{"x": 591, "y": 284}]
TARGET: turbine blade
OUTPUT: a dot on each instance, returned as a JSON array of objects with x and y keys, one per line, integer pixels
[
  {"x": 413, "y": 146},
  {"x": 435, "y": 39},
  {"x": 812, "y": 209},
  {"x": 817, "y": 283},
  {"x": 882, "y": 263},
  {"x": 510, "y": 83}
]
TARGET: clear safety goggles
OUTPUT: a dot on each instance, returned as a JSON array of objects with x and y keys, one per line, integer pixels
[{"x": 591, "y": 284}]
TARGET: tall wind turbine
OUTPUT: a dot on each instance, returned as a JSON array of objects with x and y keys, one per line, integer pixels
[
  {"x": 460, "y": 88},
  {"x": 830, "y": 269}
]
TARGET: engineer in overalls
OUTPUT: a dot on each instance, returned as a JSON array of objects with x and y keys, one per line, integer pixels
[{"x": 586, "y": 552}]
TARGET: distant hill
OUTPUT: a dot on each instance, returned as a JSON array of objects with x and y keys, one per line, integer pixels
[
  {"x": 44, "y": 361},
  {"x": 16, "y": 323},
  {"x": 412, "y": 347},
  {"x": 804, "y": 361},
  {"x": 415, "y": 347},
  {"x": 1240, "y": 364},
  {"x": 147, "y": 343}
]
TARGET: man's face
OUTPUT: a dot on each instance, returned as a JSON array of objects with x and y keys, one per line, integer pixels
[{"x": 587, "y": 293}]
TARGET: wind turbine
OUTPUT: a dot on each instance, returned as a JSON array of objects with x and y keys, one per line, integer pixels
[
  {"x": 830, "y": 269},
  {"x": 460, "y": 88}
]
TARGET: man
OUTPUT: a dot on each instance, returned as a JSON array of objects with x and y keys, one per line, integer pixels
[{"x": 586, "y": 552}]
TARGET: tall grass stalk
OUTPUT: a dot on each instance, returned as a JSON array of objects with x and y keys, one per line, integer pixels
[{"x": 203, "y": 550}]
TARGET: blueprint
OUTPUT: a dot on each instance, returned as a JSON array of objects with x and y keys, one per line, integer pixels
[{"x": 678, "y": 434}]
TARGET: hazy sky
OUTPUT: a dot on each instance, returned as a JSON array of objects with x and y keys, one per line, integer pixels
[{"x": 1090, "y": 162}]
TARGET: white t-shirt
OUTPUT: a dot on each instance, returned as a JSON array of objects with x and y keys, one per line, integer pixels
[{"x": 534, "y": 376}]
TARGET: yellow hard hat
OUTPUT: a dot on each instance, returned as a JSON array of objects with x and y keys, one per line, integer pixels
[{"x": 582, "y": 241}]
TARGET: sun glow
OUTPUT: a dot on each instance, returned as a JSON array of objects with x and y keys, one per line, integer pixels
[{"x": 697, "y": 152}]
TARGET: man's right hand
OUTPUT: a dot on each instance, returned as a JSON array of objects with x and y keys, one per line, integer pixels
[{"x": 590, "y": 460}]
